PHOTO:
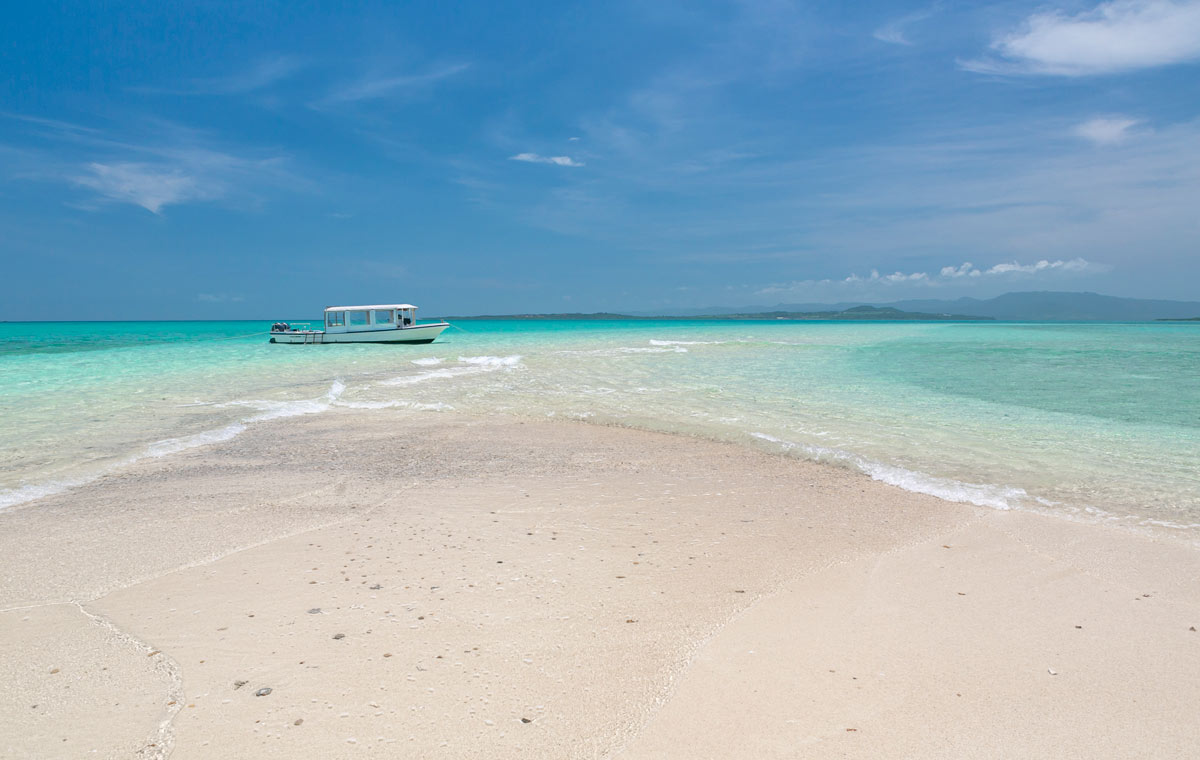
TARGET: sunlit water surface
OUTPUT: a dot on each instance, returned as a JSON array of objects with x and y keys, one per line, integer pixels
[{"x": 1093, "y": 421}]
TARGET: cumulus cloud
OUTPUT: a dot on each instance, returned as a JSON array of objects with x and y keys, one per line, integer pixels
[
  {"x": 967, "y": 269},
  {"x": 894, "y": 277},
  {"x": 1106, "y": 130},
  {"x": 1122, "y": 35},
  {"x": 534, "y": 158},
  {"x": 947, "y": 275}
]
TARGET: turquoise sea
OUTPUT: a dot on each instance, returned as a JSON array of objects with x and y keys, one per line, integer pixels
[{"x": 1098, "y": 422}]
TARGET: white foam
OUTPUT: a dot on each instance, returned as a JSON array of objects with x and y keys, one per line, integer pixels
[
  {"x": 687, "y": 342},
  {"x": 674, "y": 349},
  {"x": 431, "y": 375},
  {"x": 274, "y": 410},
  {"x": 175, "y": 445},
  {"x": 474, "y": 365},
  {"x": 11, "y": 497},
  {"x": 428, "y": 361},
  {"x": 621, "y": 350},
  {"x": 396, "y": 404},
  {"x": 491, "y": 361},
  {"x": 984, "y": 495}
]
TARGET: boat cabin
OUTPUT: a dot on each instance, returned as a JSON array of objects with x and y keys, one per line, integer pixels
[{"x": 340, "y": 319}]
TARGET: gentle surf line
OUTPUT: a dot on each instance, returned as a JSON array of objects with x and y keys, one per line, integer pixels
[
  {"x": 983, "y": 495},
  {"x": 269, "y": 410},
  {"x": 474, "y": 365}
]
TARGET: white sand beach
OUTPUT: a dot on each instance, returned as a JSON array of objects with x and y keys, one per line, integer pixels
[{"x": 411, "y": 584}]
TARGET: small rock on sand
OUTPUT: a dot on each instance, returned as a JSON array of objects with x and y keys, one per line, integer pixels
[
  {"x": 339, "y": 636},
  {"x": 264, "y": 691},
  {"x": 298, "y": 721},
  {"x": 315, "y": 611},
  {"x": 239, "y": 684}
]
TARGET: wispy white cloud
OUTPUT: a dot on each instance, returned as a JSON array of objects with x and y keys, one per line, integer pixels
[
  {"x": 1116, "y": 36},
  {"x": 534, "y": 158},
  {"x": 895, "y": 32},
  {"x": 168, "y": 176},
  {"x": 263, "y": 74},
  {"x": 375, "y": 87},
  {"x": 145, "y": 185},
  {"x": 52, "y": 125},
  {"x": 152, "y": 164},
  {"x": 258, "y": 76},
  {"x": 1108, "y": 130}
]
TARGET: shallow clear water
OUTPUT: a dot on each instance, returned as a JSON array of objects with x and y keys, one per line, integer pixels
[{"x": 1093, "y": 420}]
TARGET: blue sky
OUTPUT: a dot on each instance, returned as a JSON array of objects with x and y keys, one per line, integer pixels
[{"x": 212, "y": 160}]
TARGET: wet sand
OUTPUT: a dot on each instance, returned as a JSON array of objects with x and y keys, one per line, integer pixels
[{"x": 429, "y": 585}]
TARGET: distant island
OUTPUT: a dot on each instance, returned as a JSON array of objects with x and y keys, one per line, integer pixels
[
  {"x": 1031, "y": 306},
  {"x": 855, "y": 313},
  {"x": 1028, "y": 306}
]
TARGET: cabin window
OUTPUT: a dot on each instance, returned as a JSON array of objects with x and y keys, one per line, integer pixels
[
  {"x": 383, "y": 316},
  {"x": 358, "y": 318},
  {"x": 335, "y": 318}
]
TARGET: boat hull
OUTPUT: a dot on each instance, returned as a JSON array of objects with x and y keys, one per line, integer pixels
[{"x": 415, "y": 335}]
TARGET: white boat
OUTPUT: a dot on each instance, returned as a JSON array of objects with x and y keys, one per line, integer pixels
[{"x": 377, "y": 323}]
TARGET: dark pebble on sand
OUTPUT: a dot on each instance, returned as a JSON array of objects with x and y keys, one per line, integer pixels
[
  {"x": 298, "y": 721},
  {"x": 339, "y": 636},
  {"x": 376, "y": 587},
  {"x": 264, "y": 691},
  {"x": 526, "y": 720},
  {"x": 239, "y": 684},
  {"x": 315, "y": 611}
]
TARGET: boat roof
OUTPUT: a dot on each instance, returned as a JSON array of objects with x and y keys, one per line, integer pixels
[{"x": 371, "y": 306}]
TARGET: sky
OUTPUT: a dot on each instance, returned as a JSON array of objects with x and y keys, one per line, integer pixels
[{"x": 263, "y": 160}]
